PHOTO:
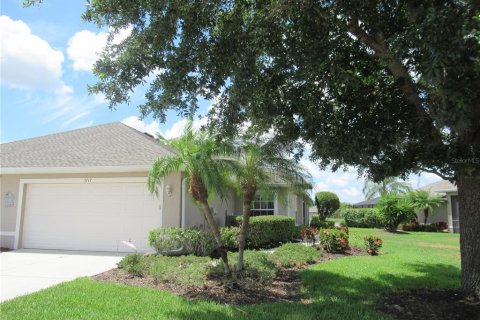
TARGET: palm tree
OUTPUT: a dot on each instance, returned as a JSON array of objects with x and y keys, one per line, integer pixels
[
  {"x": 387, "y": 185},
  {"x": 263, "y": 169},
  {"x": 199, "y": 158},
  {"x": 424, "y": 200}
]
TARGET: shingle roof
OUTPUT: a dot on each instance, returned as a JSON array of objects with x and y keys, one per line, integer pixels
[
  {"x": 112, "y": 144},
  {"x": 439, "y": 186},
  {"x": 367, "y": 202}
]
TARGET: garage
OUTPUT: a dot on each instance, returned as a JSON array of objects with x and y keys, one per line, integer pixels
[{"x": 89, "y": 214}]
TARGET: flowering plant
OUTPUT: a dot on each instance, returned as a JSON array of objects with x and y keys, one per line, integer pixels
[
  {"x": 372, "y": 244},
  {"x": 335, "y": 239}
]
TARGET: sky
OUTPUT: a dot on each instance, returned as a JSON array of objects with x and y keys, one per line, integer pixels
[{"x": 47, "y": 53}]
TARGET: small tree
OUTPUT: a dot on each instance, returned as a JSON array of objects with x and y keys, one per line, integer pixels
[
  {"x": 327, "y": 203},
  {"x": 390, "y": 184},
  {"x": 424, "y": 200},
  {"x": 198, "y": 157},
  {"x": 395, "y": 209}
]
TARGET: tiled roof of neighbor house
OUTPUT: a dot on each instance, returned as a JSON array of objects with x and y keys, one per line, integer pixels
[
  {"x": 439, "y": 186},
  {"x": 112, "y": 144},
  {"x": 367, "y": 202}
]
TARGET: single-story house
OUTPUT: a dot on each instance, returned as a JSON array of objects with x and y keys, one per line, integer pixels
[
  {"x": 86, "y": 190},
  {"x": 448, "y": 211}
]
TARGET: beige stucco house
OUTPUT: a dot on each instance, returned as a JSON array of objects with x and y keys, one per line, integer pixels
[
  {"x": 86, "y": 190},
  {"x": 448, "y": 211}
]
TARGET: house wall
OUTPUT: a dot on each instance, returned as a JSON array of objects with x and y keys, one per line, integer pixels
[
  {"x": 11, "y": 183},
  {"x": 437, "y": 215}
]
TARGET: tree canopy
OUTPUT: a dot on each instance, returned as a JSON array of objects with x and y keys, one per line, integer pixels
[{"x": 391, "y": 87}]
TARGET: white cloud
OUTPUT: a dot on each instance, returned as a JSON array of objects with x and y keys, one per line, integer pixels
[
  {"x": 151, "y": 128},
  {"x": 351, "y": 192},
  {"x": 85, "y": 46},
  {"x": 28, "y": 61}
]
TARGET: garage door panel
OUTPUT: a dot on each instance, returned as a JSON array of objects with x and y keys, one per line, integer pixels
[{"x": 89, "y": 216}]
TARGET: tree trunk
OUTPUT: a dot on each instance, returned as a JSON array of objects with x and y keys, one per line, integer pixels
[
  {"x": 469, "y": 216},
  {"x": 216, "y": 233},
  {"x": 425, "y": 213},
  {"x": 242, "y": 236}
]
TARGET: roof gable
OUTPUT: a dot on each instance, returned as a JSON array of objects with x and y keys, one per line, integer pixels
[{"x": 112, "y": 144}]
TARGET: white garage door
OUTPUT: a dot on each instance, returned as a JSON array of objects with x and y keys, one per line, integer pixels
[{"x": 89, "y": 216}]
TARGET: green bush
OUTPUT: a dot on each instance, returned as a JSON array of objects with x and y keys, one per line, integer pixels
[
  {"x": 184, "y": 270},
  {"x": 199, "y": 242},
  {"x": 133, "y": 264},
  {"x": 317, "y": 223},
  {"x": 363, "y": 217},
  {"x": 259, "y": 269},
  {"x": 334, "y": 239},
  {"x": 395, "y": 209},
  {"x": 372, "y": 244},
  {"x": 295, "y": 255},
  {"x": 269, "y": 231},
  {"x": 414, "y": 226},
  {"x": 327, "y": 203},
  {"x": 166, "y": 239},
  {"x": 230, "y": 238}
]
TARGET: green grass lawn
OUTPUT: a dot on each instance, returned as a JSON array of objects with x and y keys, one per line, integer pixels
[{"x": 345, "y": 288}]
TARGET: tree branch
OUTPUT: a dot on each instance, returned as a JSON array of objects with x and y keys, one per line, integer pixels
[
  {"x": 398, "y": 71},
  {"x": 437, "y": 173}
]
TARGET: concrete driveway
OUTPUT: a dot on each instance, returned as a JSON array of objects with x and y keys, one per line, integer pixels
[{"x": 26, "y": 271}]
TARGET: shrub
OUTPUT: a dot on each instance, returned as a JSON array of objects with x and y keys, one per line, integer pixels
[
  {"x": 327, "y": 203},
  {"x": 298, "y": 232},
  {"x": 395, "y": 209},
  {"x": 184, "y": 270},
  {"x": 295, "y": 255},
  {"x": 230, "y": 237},
  {"x": 317, "y": 223},
  {"x": 414, "y": 226},
  {"x": 442, "y": 225},
  {"x": 372, "y": 244},
  {"x": 166, "y": 239},
  {"x": 259, "y": 269},
  {"x": 363, "y": 217},
  {"x": 334, "y": 239},
  {"x": 309, "y": 234},
  {"x": 269, "y": 231},
  {"x": 133, "y": 264},
  {"x": 198, "y": 242}
]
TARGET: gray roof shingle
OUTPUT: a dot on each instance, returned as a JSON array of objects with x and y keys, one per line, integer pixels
[{"x": 112, "y": 144}]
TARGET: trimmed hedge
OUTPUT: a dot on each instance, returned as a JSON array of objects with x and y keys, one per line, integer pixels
[
  {"x": 363, "y": 217},
  {"x": 269, "y": 231}
]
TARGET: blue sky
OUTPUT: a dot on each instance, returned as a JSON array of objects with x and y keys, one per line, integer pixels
[{"x": 46, "y": 58}]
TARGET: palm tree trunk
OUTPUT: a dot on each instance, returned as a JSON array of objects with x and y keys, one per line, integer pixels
[
  {"x": 242, "y": 236},
  {"x": 425, "y": 213},
  {"x": 216, "y": 233}
]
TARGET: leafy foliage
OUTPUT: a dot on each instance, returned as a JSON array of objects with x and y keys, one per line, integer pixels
[
  {"x": 423, "y": 200},
  {"x": 132, "y": 263},
  {"x": 372, "y": 244},
  {"x": 184, "y": 270},
  {"x": 327, "y": 203},
  {"x": 389, "y": 184},
  {"x": 334, "y": 239},
  {"x": 269, "y": 231},
  {"x": 295, "y": 255},
  {"x": 309, "y": 235},
  {"x": 363, "y": 217},
  {"x": 166, "y": 239},
  {"x": 395, "y": 209},
  {"x": 317, "y": 223}
]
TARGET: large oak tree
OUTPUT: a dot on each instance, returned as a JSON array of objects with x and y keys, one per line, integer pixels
[{"x": 391, "y": 87}]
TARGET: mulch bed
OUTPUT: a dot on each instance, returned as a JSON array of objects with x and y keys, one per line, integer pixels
[
  {"x": 283, "y": 289},
  {"x": 430, "y": 304}
]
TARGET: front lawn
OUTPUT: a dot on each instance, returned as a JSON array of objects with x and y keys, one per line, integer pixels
[{"x": 346, "y": 288}]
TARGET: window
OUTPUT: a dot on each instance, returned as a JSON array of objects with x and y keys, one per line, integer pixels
[{"x": 263, "y": 205}]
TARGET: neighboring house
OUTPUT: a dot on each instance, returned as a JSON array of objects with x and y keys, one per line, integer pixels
[
  {"x": 86, "y": 190},
  {"x": 448, "y": 211},
  {"x": 371, "y": 203}
]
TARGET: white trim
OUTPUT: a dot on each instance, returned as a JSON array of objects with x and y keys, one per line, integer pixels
[
  {"x": 23, "y": 182},
  {"x": 7, "y": 233},
  {"x": 95, "y": 169},
  {"x": 183, "y": 202}
]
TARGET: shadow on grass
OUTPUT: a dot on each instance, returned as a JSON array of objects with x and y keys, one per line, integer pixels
[{"x": 329, "y": 295}]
